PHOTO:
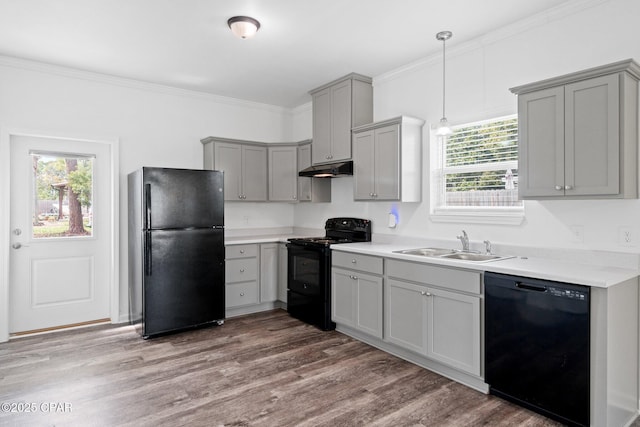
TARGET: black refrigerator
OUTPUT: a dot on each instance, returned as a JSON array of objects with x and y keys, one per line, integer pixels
[{"x": 176, "y": 249}]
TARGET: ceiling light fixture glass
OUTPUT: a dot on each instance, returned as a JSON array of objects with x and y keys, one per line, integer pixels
[
  {"x": 243, "y": 26},
  {"x": 443, "y": 127}
]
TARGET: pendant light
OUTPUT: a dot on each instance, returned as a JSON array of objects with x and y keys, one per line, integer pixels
[
  {"x": 443, "y": 128},
  {"x": 243, "y": 26}
]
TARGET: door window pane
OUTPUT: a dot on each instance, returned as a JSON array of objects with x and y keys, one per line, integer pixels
[{"x": 62, "y": 195}]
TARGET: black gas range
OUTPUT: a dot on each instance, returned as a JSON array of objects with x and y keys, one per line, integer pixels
[{"x": 309, "y": 269}]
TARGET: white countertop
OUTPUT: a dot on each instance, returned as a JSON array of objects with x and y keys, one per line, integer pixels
[{"x": 549, "y": 269}]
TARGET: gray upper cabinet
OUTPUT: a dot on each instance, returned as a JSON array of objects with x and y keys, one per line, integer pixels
[
  {"x": 244, "y": 166},
  {"x": 258, "y": 171},
  {"x": 311, "y": 189},
  {"x": 283, "y": 173},
  {"x": 578, "y": 134},
  {"x": 387, "y": 160},
  {"x": 337, "y": 107}
]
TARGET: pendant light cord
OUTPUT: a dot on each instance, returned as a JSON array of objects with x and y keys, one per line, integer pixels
[{"x": 444, "y": 42}]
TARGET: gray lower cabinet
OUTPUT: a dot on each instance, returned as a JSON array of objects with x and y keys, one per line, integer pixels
[
  {"x": 425, "y": 314},
  {"x": 578, "y": 134},
  {"x": 356, "y": 294},
  {"x": 268, "y": 272},
  {"x": 253, "y": 274},
  {"x": 241, "y": 275},
  {"x": 282, "y": 272}
]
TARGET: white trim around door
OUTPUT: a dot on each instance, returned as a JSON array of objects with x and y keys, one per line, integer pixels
[{"x": 5, "y": 180}]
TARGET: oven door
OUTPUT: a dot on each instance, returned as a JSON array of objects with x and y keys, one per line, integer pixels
[{"x": 308, "y": 297}]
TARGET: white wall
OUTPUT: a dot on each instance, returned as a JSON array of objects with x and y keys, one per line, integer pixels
[
  {"x": 479, "y": 75},
  {"x": 156, "y": 127}
]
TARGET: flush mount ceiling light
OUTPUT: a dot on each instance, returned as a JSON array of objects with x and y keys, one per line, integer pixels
[
  {"x": 243, "y": 26},
  {"x": 443, "y": 127}
]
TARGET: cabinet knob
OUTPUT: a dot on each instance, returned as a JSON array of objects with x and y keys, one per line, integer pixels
[
  {"x": 354, "y": 277},
  {"x": 353, "y": 261},
  {"x": 371, "y": 194},
  {"x": 241, "y": 251},
  {"x": 241, "y": 294},
  {"x": 242, "y": 270},
  {"x": 294, "y": 197},
  {"x": 558, "y": 187},
  {"x": 568, "y": 187}
]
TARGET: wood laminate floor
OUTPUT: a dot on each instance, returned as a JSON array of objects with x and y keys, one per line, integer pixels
[{"x": 265, "y": 369}]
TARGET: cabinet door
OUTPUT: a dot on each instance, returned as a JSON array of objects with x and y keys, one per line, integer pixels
[
  {"x": 369, "y": 304},
  {"x": 321, "y": 111},
  {"x": 340, "y": 121},
  {"x": 387, "y": 163},
  {"x": 406, "y": 315},
  {"x": 282, "y": 272},
  {"x": 364, "y": 160},
  {"x": 268, "y": 272},
  {"x": 283, "y": 174},
  {"x": 356, "y": 300},
  {"x": 592, "y": 143},
  {"x": 453, "y": 335},
  {"x": 254, "y": 170},
  {"x": 541, "y": 143},
  {"x": 343, "y": 297},
  {"x": 228, "y": 158},
  {"x": 304, "y": 183}
]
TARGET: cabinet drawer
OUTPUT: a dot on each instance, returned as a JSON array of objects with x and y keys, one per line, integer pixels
[
  {"x": 241, "y": 270},
  {"x": 368, "y": 263},
  {"x": 449, "y": 278},
  {"x": 238, "y": 294},
  {"x": 241, "y": 251}
]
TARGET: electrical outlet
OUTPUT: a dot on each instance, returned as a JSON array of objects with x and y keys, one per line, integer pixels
[
  {"x": 577, "y": 233},
  {"x": 626, "y": 236}
]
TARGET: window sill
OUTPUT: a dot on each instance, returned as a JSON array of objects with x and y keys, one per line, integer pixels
[{"x": 513, "y": 216}]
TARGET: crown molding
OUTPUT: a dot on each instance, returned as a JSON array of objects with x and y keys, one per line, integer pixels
[
  {"x": 42, "y": 67},
  {"x": 523, "y": 25}
]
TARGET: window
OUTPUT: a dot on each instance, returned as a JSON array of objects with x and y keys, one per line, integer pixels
[
  {"x": 62, "y": 195},
  {"x": 475, "y": 169}
]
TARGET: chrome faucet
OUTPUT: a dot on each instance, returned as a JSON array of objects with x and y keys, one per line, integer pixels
[
  {"x": 487, "y": 247},
  {"x": 464, "y": 239}
]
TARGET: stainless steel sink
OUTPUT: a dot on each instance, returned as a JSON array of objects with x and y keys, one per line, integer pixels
[
  {"x": 469, "y": 256},
  {"x": 430, "y": 252},
  {"x": 452, "y": 254}
]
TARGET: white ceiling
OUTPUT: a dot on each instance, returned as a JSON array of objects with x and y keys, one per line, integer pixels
[{"x": 302, "y": 44}]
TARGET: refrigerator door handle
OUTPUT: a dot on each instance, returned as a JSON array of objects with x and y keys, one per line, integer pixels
[
  {"x": 147, "y": 253},
  {"x": 147, "y": 203}
]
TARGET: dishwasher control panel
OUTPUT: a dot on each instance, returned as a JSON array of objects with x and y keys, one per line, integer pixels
[{"x": 567, "y": 293}]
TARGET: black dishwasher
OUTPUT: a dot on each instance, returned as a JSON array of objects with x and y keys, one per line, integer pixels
[{"x": 537, "y": 345}]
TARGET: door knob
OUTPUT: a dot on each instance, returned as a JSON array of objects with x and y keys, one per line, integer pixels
[{"x": 16, "y": 245}]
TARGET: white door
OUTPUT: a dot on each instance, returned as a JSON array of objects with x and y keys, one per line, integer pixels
[{"x": 59, "y": 274}]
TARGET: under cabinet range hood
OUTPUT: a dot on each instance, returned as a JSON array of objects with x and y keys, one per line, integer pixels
[{"x": 331, "y": 170}]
